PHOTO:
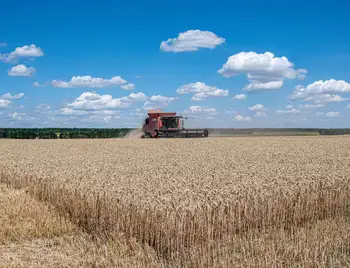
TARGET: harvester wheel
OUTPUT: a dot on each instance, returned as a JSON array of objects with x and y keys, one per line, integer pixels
[
  {"x": 146, "y": 136},
  {"x": 206, "y": 133}
]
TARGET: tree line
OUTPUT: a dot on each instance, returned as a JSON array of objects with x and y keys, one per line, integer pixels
[
  {"x": 106, "y": 133},
  {"x": 62, "y": 133}
]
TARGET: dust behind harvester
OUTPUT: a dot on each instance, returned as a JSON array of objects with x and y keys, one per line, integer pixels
[{"x": 168, "y": 125}]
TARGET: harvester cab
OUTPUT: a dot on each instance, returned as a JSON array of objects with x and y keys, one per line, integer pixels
[{"x": 168, "y": 125}]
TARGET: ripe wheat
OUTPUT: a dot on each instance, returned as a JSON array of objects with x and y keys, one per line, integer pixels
[{"x": 243, "y": 202}]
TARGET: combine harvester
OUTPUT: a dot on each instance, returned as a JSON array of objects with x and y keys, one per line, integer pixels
[{"x": 169, "y": 125}]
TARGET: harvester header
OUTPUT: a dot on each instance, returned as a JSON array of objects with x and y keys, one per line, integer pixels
[{"x": 168, "y": 125}]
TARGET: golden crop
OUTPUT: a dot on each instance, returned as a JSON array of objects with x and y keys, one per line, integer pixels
[{"x": 217, "y": 202}]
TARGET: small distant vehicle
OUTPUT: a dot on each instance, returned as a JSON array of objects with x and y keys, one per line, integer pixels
[{"x": 169, "y": 125}]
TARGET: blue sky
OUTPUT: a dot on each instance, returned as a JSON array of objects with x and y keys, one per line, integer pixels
[{"x": 224, "y": 64}]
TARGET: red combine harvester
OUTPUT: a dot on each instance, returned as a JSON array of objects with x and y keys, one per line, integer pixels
[{"x": 168, "y": 125}]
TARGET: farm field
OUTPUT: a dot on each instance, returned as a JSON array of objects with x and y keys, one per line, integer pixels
[{"x": 217, "y": 202}]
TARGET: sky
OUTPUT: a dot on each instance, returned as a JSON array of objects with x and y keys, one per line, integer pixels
[{"x": 226, "y": 64}]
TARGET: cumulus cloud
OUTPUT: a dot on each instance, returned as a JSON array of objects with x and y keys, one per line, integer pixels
[
  {"x": 70, "y": 111},
  {"x": 257, "y": 108},
  {"x": 192, "y": 40},
  {"x": 239, "y": 97},
  {"x": 332, "y": 114},
  {"x": 21, "y": 70},
  {"x": 90, "y": 101},
  {"x": 201, "y": 91},
  {"x": 5, "y": 104},
  {"x": 331, "y": 86},
  {"x": 128, "y": 86},
  {"x": 137, "y": 113},
  {"x": 289, "y": 106},
  {"x": 199, "y": 110},
  {"x": 93, "y": 82},
  {"x": 135, "y": 97},
  {"x": 325, "y": 98},
  {"x": 22, "y": 52},
  {"x": 95, "y": 104},
  {"x": 43, "y": 107},
  {"x": 288, "y": 111},
  {"x": 319, "y": 113},
  {"x": 9, "y": 96},
  {"x": 98, "y": 118},
  {"x": 261, "y": 115},
  {"x": 240, "y": 118},
  {"x": 17, "y": 116},
  {"x": 256, "y": 85},
  {"x": 37, "y": 84},
  {"x": 264, "y": 71},
  {"x": 158, "y": 102},
  {"x": 312, "y": 106},
  {"x": 328, "y": 86}
]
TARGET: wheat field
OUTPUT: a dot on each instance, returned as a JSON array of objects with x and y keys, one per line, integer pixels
[{"x": 216, "y": 202}]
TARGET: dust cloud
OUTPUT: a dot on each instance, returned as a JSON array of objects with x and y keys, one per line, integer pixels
[{"x": 134, "y": 134}]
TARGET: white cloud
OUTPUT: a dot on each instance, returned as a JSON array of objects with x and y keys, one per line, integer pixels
[
  {"x": 9, "y": 96},
  {"x": 199, "y": 110},
  {"x": 28, "y": 51},
  {"x": 239, "y": 97},
  {"x": 159, "y": 98},
  {"x": 325, "y": 98},
  {"x": 255, "y": 85},
  {"x": 17, "y": 116},
  {"x": 138, "y": 113},
  {"x": 21, "y": 70},
  {"x": 128, "y": 86},
  {"x": 331, "y": 86},
  {"x": 22, "y": 52},
  {"x": 257, "y": 108},
  {"x": 42, "y": 107},
  {"x": 298, "y": 93},
  {"x": 319, "y": 113},
  {"x": 328, "y": 86},
  {"x": 70, "y": 111},
  {"x": 158, "y": 102},
  {"x": 290, "y": 111},
  {"x": 89, "y": 101},
  {"x": 289, "y": 106},
  {"x": 191, "y": 40},
  {"x": 261, "y": 114},
  {"x": 332, "y": 114},
  {"x": 92, "y": 82},
  {"x": 97, "y": 118},
  {"x": 94, "y": 104},
  {"x": 202, "y": 91},
  {"x": 135, "y": 97},
  {"x": 241, "y": 118},
  {"x": 264, "y": 71},
  {"x": 37, "y": 84},
  {"x": 348, "y": 107},
  {"x": 5, "y": 104},
  {"x": 312, "y": 106}
]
